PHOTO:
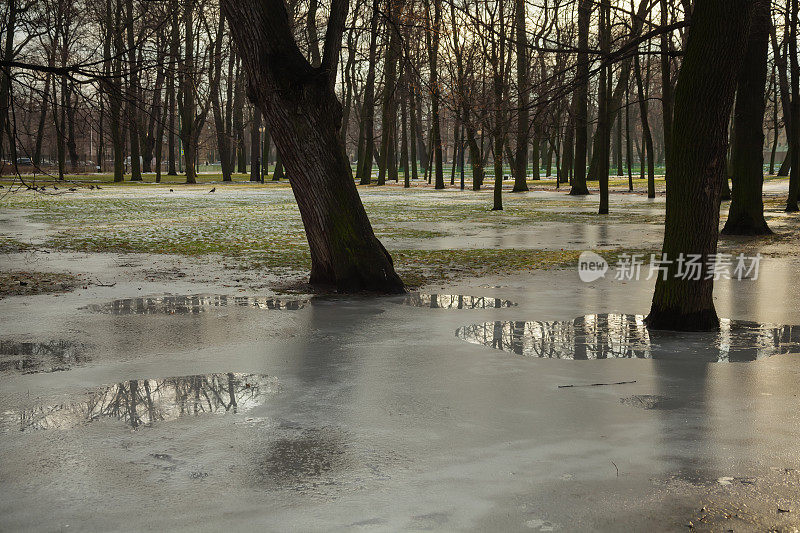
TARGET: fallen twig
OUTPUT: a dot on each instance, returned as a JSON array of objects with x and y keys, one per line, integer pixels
[{"x": 596, "y": 384}]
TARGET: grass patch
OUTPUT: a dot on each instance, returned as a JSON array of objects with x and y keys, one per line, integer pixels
[{"x": 28, "y": 283}]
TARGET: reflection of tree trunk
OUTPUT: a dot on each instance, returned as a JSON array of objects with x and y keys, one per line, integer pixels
[
  {"x": 517, "y": 335},
  {"x": 151, "y": 410},
  {"x": 497, "y": 335},
  {"x": 133, "y": 388},
  {"x": 231, "y": 393},
  {"x": 579, "y": 331},
  {"x": 703, "y": 101}
]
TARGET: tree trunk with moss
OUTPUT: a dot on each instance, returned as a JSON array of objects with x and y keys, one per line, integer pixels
[
  {"x": 696, "y": 166},
  {"x": 746, "y": 215},
  {"x": 301, "y": 108}
]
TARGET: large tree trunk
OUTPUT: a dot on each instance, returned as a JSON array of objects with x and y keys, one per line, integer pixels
[
  {"x": 72, "y": 147},
  {"x": 746, "y": 215},
  {"x": 435, "y": 92},
  {"x": 220, "y": 116},
  {"x": 781, "y": 63},
  {"x": 5, "y": 75},
  {"x": 188, "y": 133},
  {"x": 299, "y": 103},
  {"x": 646, "y": 133},
  {"x": 603, "y": 113},
  {"x": 666, "y": 80},
  {"x": 404, "y": 128},
  {"x": 237, "y": 153},
  {"x": 133, "y": 95},
  {"x": 366, "y": 139},
  {"x": 149, "y": 137},
  {"x": 255, "y": 146},
  {"x": 387, "y": 164},
  {"x": 37, "y": 151},
  {"x": 174, "y": 51},
  {"x": 582, "y": 100},
  {"x": 615, "y": 102},
  {"x": 794, "y": 131},
  {"x": 521, "y": 158},
  {"x": 696, "y": 165},
  {"x": 113, "y": 72}
]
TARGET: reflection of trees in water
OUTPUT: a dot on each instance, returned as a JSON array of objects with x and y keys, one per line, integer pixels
[
  {"x": 607, "y": 336},
  {"x": 194, "y": 304},
  {"x": 590, "y": 337},
  {"x": 143, "y": 402},
  {"x": 455, "y": 301},
  {"x": 32, "y": 357}
]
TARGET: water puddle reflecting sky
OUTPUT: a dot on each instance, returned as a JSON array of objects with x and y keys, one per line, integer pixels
[
  {"x": 193, "y": 304},
  {"x": 144, "y": 402},
  {"x": 454, "y": 301},
  {"x": 34, "y": 357},
  {"x": 609, "y": 336}
]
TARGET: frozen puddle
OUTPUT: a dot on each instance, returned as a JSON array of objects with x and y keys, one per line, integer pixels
[
  {"x": 194, "y": 304},
  {"x": 609, "y": 336},
  {"x": 454, "y": 301},
  {"x": 33, "y": 357},
  {"x": 144, "y": 402}
]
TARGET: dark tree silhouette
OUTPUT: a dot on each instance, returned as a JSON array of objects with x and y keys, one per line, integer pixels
[
  {"x": 746, "y": 216},
  {"x": 304, "y": 115},
  {"x": 697, "y": 160}
]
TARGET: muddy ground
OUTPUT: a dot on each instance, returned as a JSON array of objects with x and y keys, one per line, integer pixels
[{"x": 169, "y": 369}]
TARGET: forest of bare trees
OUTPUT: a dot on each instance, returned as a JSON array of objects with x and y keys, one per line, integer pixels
[
  {"x": 515, "y": 90},
  {"x": 334, "y": 94}
]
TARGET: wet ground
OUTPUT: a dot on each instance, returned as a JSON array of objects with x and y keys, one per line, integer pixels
[{"x": 171, "y": 392}]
